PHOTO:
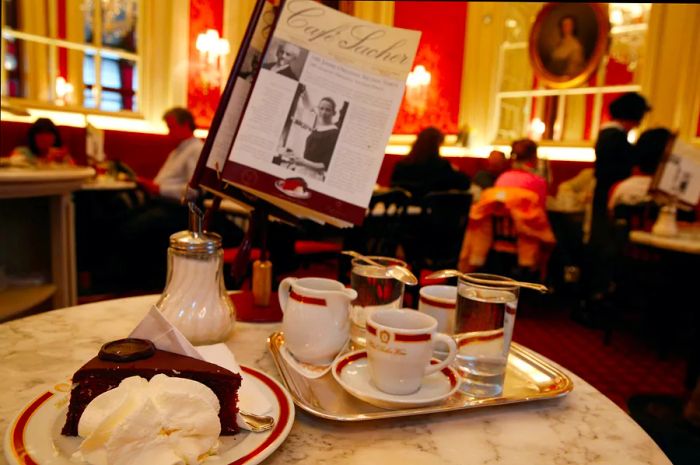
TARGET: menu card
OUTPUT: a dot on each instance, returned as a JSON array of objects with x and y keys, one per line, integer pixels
[{"x": 308, "y": 110}]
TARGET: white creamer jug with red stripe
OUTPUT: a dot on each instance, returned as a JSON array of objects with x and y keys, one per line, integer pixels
[{"x": 316, "y": 322}]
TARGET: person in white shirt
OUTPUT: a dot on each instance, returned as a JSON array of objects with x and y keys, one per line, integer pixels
[
  {"x": 138, "y": 256},
  {"x": 635, "y": 189},
  {"x": 171, "y": 181}
]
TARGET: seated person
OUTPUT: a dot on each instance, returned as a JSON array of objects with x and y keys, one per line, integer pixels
[
  {"x": 533, "y": 234},
  {"x": 576, "y": 194},
  {"x": 635, "y": 189},
  {"x": 496, "y": 164},
  {"x": 141, "y": 239},
  {"x": 524, "y": 168},
  {"x": 44, "y": 145},
  {"x": 423, "y": 170},
  {"x": 172, "y": 178}
]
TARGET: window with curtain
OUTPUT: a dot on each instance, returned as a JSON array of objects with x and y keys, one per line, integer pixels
[{"x": 72, "y": 53}]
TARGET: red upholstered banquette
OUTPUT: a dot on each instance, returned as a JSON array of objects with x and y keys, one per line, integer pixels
[{"x": 145, "y": 153}]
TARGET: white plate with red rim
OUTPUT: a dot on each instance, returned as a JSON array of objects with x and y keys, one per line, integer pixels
[
  {"x": 351, "y": 371},
  {"x": 34, "y": 435}
]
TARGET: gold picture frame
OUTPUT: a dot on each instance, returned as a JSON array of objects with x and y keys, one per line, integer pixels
[{"x": 567, "y": 42}]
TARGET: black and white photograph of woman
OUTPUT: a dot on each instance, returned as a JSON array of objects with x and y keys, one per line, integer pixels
[{"x": 311, "y": 132}]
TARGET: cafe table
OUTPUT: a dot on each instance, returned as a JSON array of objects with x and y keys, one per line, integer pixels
[
  {"x": 583, "y": 427},
  {"x": 687, "y": 241}
]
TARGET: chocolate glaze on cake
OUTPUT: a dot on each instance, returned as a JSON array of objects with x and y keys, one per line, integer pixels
[{"x": 98, "y": 376}]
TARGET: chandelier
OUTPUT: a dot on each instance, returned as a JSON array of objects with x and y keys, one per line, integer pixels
[
  {"x": 118, "y": 18},
  {"x": 212, "y": 50},
  {"x": 417, "y": 84},
  {"x": 629, "y": 26}
]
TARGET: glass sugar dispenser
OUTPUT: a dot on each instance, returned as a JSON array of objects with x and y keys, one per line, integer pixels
[{"x": 195, "y": 298}]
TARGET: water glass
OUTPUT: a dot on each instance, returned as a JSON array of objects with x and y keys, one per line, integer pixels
[
  {"x": 483, "y": 331},
  {"x": 375, "y": 290}
]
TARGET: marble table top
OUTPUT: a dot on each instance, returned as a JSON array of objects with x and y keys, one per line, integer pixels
[{"x": 584, "y": 427}]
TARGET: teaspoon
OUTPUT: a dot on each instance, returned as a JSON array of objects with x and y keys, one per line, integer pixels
[
  {"x": 398, "y": 272},
  {"x": 256, "y": 423},
  {"x": 467, "y": 277}
]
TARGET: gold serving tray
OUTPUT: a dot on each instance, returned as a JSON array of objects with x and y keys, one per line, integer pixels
[{"x": 528, "y": 378}]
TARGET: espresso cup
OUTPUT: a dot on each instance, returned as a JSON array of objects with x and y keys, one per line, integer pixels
[
  {"x": 440, "y": 302},
  {"x": 316, "y": 321},
  {"x": 400, "y": 345}
]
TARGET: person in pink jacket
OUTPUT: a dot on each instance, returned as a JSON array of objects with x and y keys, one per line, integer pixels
[{"x": 523, "y": 173}]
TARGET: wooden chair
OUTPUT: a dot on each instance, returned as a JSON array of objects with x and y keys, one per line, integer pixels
[
  {"x": 382, "y": 231},
  {"x": 634, "y": 267},
  {"x": 503, "y": 256},
  {"x": 439, "y": 232}
]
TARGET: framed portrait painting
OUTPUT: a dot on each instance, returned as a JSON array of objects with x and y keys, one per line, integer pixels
[{"x": 567, "y": 42}]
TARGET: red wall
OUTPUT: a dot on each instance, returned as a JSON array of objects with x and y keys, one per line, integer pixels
[
  {"x": 202, "y": 101},
  {"x": 441, "y": 51}
]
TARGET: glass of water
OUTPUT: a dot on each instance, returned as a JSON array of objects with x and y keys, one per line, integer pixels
[
  {"x": 375, "y": 290},
  {"x": 483, "y": 331}
]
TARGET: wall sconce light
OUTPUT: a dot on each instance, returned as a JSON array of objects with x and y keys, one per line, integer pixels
[
  {"x": 64, "y": 91},
  {"x": 537, "y": 128},
  {"x": 417, "y": 84},
  {"x": 212, "y": 50}
]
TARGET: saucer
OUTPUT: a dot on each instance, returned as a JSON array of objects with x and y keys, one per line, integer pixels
[{"x": 351, "y": 371}]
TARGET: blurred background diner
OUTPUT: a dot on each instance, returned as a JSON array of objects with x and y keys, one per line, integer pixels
[
  {"x": 496, "y": 163},
  {"x": 43, "y": 146},
  {"x": 423, "y": 170}
]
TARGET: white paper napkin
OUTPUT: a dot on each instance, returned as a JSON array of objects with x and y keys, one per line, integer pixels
[
  {"x": 250, "y": 399},
  {"x": 156, "y": 328},
  {"x": 163, "y": 334}
]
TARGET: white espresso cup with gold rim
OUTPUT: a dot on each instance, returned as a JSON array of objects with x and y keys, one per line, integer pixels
[{"x": 400, "y": 345}]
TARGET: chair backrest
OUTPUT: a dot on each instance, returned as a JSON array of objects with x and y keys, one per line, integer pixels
[
  {"x": 505, "y": 237},
  {"x": 638, "y": 216},
  {"x": 381, "y": 232},
  {"x": 632, "y": 217},
  {"x": 443, "y": 222}
]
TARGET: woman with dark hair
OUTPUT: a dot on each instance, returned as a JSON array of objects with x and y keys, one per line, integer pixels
[
  {"x": 44, "y": 144},
  {"x": 524, "y": 173},
  {"x": 320, "y": 143},
  {"x": 423, "y": 170}
]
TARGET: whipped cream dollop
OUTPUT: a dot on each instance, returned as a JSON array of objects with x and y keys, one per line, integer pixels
[{"x": 164, "y": 421}]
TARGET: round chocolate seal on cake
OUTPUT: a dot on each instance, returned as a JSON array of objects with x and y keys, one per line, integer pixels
[{"x": 127, "y": 350}]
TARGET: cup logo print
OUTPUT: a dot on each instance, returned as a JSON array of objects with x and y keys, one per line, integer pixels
[{"x": 384, "y": 336}]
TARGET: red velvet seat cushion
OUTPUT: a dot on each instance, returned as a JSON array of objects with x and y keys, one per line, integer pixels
[
  {"x": 231, "y": 253},
  {"x": 313, "y": 247}
]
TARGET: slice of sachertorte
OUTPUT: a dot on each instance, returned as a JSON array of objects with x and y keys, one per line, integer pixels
[{"x": 121, "y": 359}]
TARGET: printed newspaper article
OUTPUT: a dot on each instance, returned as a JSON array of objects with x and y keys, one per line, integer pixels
[{"x": 321, "y": 111}]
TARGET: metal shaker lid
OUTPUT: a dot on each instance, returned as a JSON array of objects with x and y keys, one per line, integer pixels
[{"x": 194, "y": 242}]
